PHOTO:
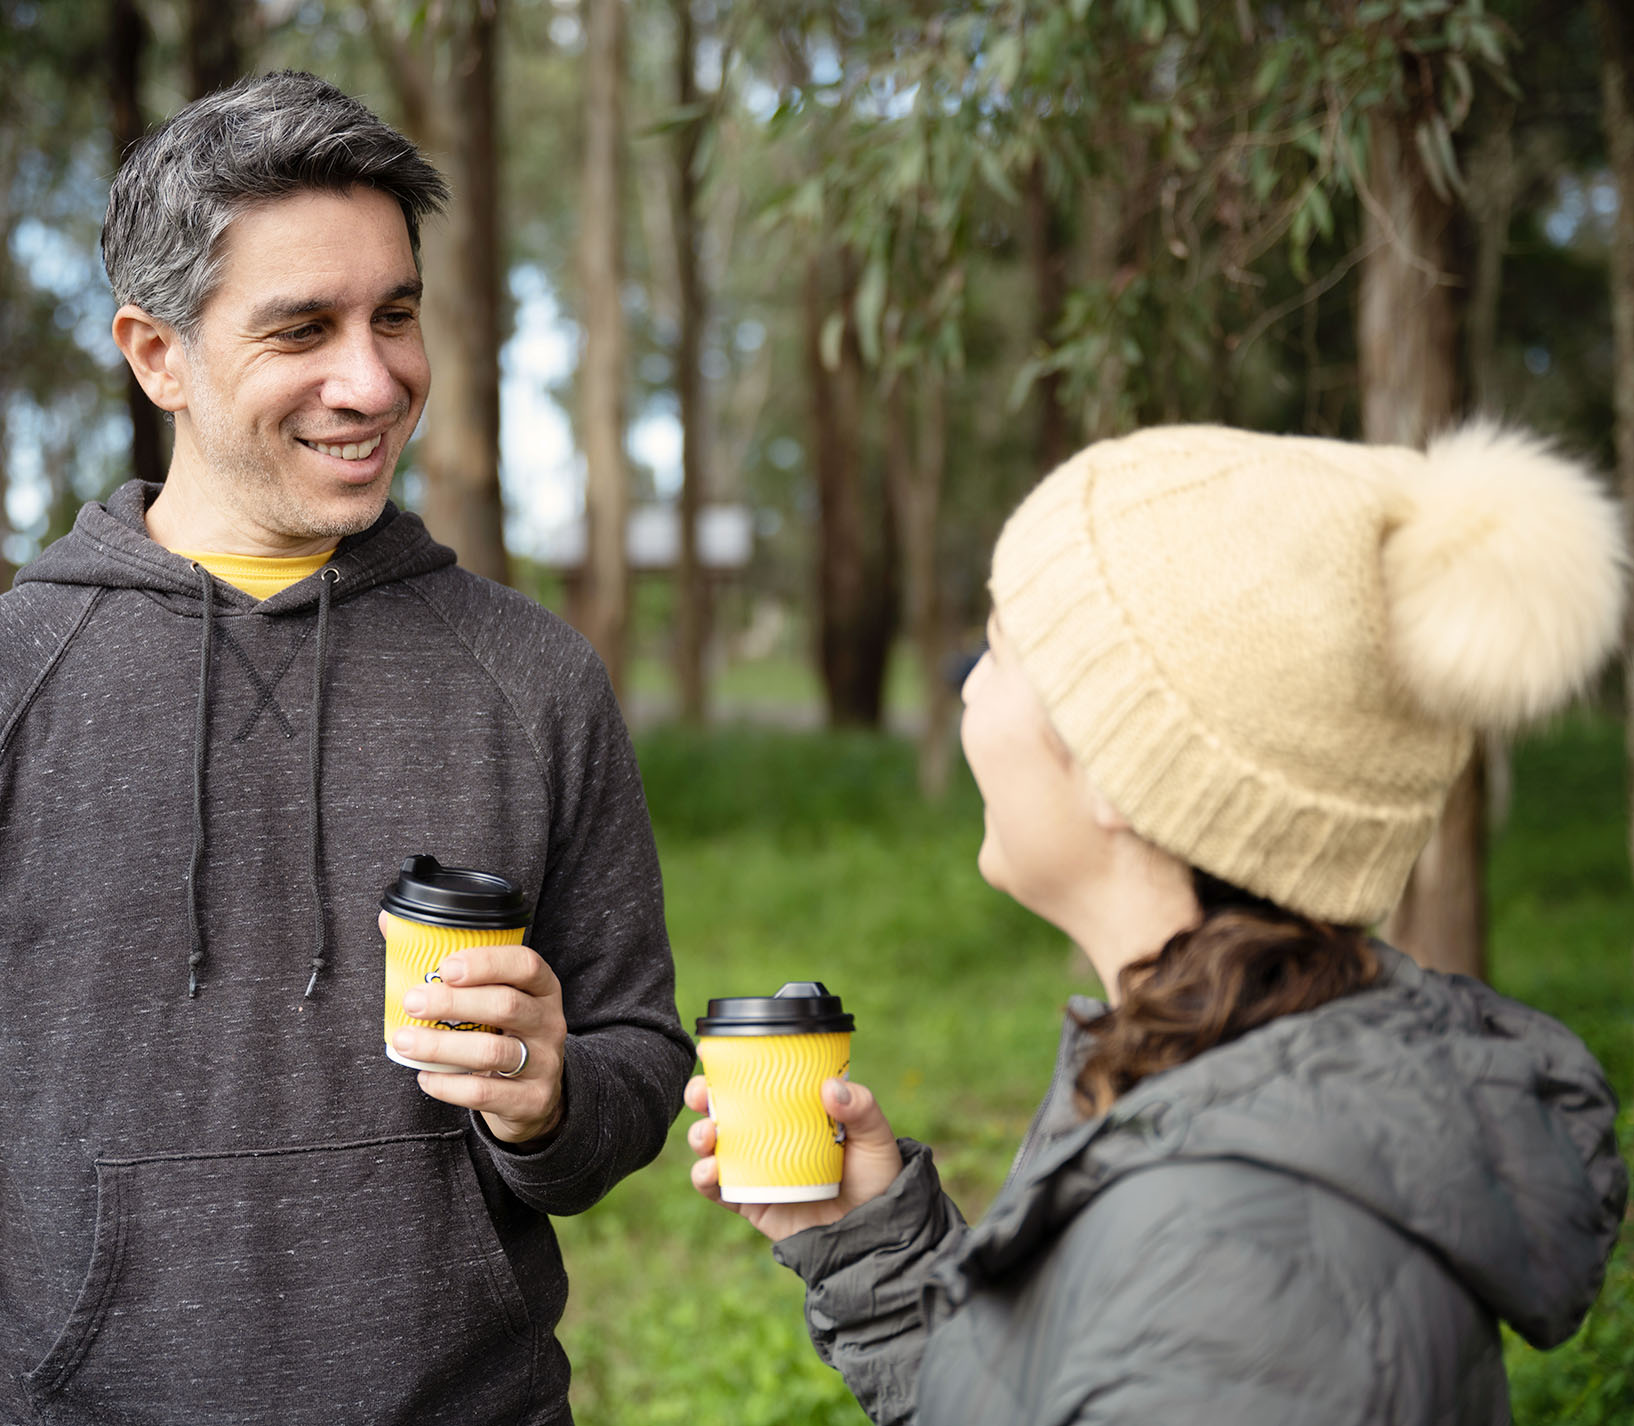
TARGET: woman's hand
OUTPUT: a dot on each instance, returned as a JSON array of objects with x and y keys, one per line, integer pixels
[{"x": 872, "y": 1160}]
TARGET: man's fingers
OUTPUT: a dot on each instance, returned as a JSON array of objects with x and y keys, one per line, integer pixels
[
  {"x": 697, "y": 1094},
  {"x": 471, "y": 1050},
  {"x": 501, "y": 1005},
  {"x": 521, "y": 966}
]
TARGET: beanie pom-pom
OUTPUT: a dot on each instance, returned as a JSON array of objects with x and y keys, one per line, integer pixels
[{"x": 1504, "y": 578}]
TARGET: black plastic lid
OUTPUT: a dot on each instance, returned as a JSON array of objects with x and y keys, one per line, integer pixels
[
  {"x": 428, "y": 891},
  {"x": 802, "y": 1007}
]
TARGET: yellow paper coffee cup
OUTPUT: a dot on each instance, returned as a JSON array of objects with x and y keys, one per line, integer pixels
[
  {"x": 765, "y": 1059},
  {"x": 431, "y": 912}
]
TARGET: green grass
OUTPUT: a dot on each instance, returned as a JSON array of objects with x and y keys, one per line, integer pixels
[
  {"x": 793, "y": 856},
  {"x": 1562, "y": 934}
]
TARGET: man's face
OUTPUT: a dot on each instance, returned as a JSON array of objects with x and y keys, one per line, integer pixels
[{"x": 307, "y": 372}]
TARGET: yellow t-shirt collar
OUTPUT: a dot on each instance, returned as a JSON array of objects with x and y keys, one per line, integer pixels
[{"x": 254, "y": 574}]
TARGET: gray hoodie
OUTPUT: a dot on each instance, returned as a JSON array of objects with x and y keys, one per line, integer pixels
[
  {"x": 229, "y": 1206},
  {"x": 1320, "y": 1223}
]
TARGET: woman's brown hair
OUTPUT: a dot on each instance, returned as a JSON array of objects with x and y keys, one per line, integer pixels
[{"x": 1247, "y": 962}]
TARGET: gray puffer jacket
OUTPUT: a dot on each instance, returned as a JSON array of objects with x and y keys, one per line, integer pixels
[{"x": 1322, "y": 1222}]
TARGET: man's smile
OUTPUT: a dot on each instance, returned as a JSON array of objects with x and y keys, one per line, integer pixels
[{"x": 351, "y": 450}]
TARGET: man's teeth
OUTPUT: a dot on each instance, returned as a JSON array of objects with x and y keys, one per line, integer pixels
[{"x": 349, "y": 452}]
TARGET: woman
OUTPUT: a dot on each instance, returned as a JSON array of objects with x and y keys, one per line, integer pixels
[{"x": 1286, "y": 1175}]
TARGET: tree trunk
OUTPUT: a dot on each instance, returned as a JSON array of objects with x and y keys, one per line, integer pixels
[
  {"x": 463, "y": 506},
  {"x": 853, "y": 635},
  {"x": 1408, "y": 356},
  {"x": 691, "y": 594},
  {"x": 447, "y": 92},
  {"x": 606, "y": 597},
  {"x": 1106, "y": 255},
  {"x": 1494, "y": 182},
  {"x": 1617, "y": 92},
  {"x": 215, "y": 53},
  {"x": 127, "y": 40},
  {"x": 7, "y": 568},
  {"x": 1407, "y": 343},
  {"x": 1047, "y": 254},
  {"x": 916, "y": 471}
]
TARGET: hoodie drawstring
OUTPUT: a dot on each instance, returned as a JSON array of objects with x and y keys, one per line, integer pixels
[
  {"x": 201, "y": 743},
  {"x": 326, "y": 583},
  {"x": 195, "y": 932}
]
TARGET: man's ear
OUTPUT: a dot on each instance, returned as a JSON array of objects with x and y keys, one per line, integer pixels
[{"x": 155, "y": 353}]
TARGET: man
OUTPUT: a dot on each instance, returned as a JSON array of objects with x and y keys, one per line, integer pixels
[{"x": 230, "y": 706}]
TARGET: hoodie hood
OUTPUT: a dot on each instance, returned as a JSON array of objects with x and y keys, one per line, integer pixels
[
  {"x": 109, "y": 548},
  {"x": 1474, "y": 1125}
]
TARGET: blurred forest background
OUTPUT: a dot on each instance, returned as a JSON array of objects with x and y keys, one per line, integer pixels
[{"x": 840, "y": 281}]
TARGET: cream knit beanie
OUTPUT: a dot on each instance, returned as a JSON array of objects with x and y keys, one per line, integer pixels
[{"x": 1272, "y": 653}]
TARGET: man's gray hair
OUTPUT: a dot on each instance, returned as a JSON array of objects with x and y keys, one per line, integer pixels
[{"x": 263, "y": 138}]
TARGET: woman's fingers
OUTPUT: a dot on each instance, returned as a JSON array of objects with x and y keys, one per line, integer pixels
[
  {"x": 697, "y": 1094},
  {"x": 701, "y": 1137}
]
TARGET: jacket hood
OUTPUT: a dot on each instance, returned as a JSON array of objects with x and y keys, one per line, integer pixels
[
  {"x": 1476, "y": 1126},
  {"x": 109, "y": 548}
]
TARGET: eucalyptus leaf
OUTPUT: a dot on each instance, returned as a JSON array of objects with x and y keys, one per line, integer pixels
[
  {"x": 1262, "y": 175},
  {"x": 1270, "y": 72},
  {"x": 1441, "y": 138},
  {"x": 1430, "y": 157},
  {"x": 1484, "y": 38},
  {"x": 1004, "y": 59},
  {"x": 1028, "y": 372},
  {"x": 869, "y": 305},
  {"x": 1463, "y": 87},
  {"x": 993, "y": 174},
  {"x": 829, "y": 339},
  {"x": 1321, "y": 211}
]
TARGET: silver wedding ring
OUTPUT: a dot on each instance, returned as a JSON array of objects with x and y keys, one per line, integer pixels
[{"x": 521, "y": 1064}]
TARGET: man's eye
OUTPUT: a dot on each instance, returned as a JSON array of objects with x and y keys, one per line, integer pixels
[
  {"x": 304, "y": 333},
  {"x": 397, "y": 317}
]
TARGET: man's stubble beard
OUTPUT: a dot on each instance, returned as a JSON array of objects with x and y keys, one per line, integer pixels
[{"x": 252, "y": 485}]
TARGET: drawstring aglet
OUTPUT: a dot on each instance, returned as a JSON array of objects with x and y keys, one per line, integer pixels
[{"x": 312, "y": 983}]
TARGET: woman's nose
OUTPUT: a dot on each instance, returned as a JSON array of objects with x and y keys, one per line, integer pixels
[{"x": 961, "y": 667}]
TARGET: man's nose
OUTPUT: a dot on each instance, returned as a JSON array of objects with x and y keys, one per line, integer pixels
[{"x": 361, "y": 379}]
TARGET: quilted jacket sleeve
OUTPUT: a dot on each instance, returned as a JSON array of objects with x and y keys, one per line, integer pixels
[{"x": 865, "y": 1277}]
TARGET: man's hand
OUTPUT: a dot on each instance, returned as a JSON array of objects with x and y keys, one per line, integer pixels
[
  {"x": 509, "y": 987},
  {"x": 872, "y": 1160}
]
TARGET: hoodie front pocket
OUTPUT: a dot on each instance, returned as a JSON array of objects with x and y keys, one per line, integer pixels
[{"x": 332, "y": 1282}]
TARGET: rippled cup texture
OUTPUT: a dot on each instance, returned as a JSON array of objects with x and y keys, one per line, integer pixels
[
  {"x": 773, "y": 1141},
  {"x": 414, "y": 950}
]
